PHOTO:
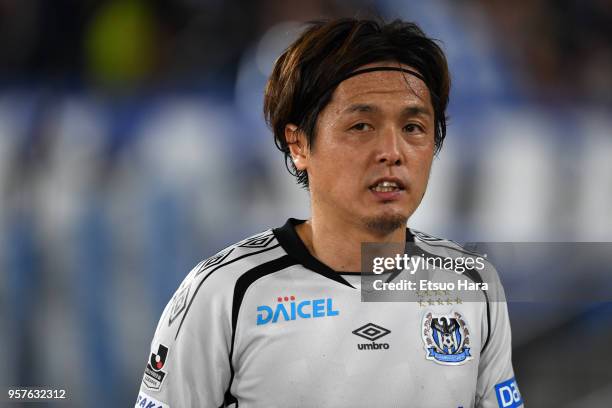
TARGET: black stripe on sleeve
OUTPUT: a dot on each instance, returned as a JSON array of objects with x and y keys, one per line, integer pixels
[
  {"x": 475, "y": 276},
  {"x": 210, "y": 273},
  {"x": 247, "y": 279},
  {"x": 488, "y": 323},
  {"x": 242, "y": 284}
]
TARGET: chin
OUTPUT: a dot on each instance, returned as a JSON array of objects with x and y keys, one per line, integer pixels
[{"x": 384, "y": 224}]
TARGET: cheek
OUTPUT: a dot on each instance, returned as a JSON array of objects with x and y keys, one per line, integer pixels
[
  {"x": 334, "y": 168},
  {"x": 419, "y": 164},
  {"x": 329, "y": 167}
]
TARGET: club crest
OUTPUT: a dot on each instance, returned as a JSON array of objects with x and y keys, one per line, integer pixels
[{"x": 446, "y": 338}]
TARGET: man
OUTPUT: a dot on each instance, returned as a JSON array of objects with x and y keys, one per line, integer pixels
[{"x": 358, "y": 108}]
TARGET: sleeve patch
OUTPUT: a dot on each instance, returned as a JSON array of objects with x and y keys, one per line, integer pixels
[
  {"x": 508, "y": 395},
  {"x": 154, "y": 375},
  {"x": 146, "y": 401}
]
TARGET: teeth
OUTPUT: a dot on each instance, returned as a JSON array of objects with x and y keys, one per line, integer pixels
[{"x": 386, "y": 186}]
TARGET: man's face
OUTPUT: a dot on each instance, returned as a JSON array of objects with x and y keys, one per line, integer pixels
[{"x": 373, "y": 150}]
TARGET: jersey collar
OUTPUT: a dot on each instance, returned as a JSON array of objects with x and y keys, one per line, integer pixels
[{"x": 293, "y": 245}]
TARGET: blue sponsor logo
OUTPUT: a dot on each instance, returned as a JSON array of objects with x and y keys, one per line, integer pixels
[
  {"x": 508, "y": 395},
  {"x": 288, "y": 308},
  {"x": 146, "y": 401}
]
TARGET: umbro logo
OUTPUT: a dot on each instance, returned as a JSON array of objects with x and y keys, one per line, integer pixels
[
  {"x": 214, "y": 260},
  {"x": 372, "y": 332},
  {"x": 258, "y": 241}
]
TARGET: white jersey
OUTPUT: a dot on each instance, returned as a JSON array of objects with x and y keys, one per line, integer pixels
[{"x": 265, "y": 324}]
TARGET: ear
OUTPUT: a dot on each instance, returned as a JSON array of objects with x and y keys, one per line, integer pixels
[{"x": 296, "y": 141}]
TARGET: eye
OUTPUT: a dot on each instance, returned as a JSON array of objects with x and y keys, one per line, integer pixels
[
  {"x": 361, "y": 127},
  {"x": 413, "y": 128}
]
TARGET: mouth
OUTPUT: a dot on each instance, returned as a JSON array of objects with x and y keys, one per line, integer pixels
[
  {"x": 387, "y": 189},
  {"x": 387, "y": 186}
]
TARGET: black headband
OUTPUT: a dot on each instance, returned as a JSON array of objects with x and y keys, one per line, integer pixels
[
  {"x": 337, "y": 82},
  {"x": 366, "y": 70}
]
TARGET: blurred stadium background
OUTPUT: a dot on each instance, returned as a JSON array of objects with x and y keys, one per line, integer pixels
[{"x": 132, "y": 146}]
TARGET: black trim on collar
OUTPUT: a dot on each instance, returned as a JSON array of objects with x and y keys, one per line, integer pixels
[{"x": 293, "y": 245}]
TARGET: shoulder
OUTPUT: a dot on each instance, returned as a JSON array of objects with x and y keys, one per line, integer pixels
[
  {"x": 211, "y": 283},
  {"x": 229, "y": 263},
  {"x": 439, "y": 245},
  {"x": 200, "y": 311},
  {"x": 480, "y": 267}
]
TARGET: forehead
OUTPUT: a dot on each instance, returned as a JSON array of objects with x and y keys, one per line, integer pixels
[{"x": 396, "y": 86}]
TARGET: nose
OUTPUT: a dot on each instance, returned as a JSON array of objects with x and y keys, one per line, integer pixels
[{"x": 389, "y": 148}]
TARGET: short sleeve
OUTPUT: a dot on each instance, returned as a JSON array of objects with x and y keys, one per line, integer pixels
[
  {"x": 188, "y": 364},
  {"x": 496, "y": 386}
]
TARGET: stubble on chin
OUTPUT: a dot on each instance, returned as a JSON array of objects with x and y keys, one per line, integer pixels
[{"x": 385, "y": 224}]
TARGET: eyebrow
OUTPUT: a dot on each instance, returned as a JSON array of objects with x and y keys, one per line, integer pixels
[{"x": 407, "y": 111}]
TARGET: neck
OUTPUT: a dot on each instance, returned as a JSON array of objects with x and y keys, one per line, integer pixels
[{"x": 338, "y": 244}]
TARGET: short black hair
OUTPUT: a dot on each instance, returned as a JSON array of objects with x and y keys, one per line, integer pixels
[{"x": 303, "y": 78}]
